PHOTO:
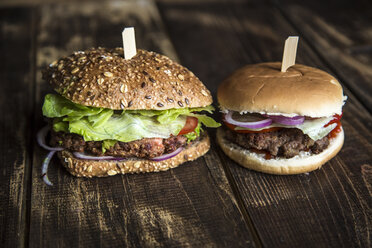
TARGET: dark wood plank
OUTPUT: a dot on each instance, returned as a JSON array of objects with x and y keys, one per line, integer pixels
[
  {"x": 190, "y": 206},
  {"x": 341, "y": 37},
  {"x": 330, "y": 207},
  {"x": 15, "y": 128}
]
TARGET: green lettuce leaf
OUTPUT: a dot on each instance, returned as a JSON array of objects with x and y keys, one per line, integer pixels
[
  {"x": 126, "y": 128},
  {"x": 193, "y": 135},
  {"x": 58, "y": 106},
  {"x": 101, "y": 118},
  {"x": 106, "y": 144},
  {"x": 206, "y": 120},
  {"x": 168, "y": 115},
  {"x": 99, "y": 124},
  {"x": 60, "y": 126}
]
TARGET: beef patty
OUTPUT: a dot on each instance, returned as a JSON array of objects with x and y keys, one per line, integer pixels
[
  {"x": 286, "y": 142},
  {"x": 143, "y": 148}
]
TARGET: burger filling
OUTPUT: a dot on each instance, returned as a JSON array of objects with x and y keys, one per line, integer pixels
[
  {"x": 125, "y": 133},
  {"x": 275, "y": 136},
  {"x": 143, "y": 148},
  {"x": 286, "y": 142}
]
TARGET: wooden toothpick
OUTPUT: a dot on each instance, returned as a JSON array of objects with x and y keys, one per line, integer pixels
[
  {"x": 129, "y": 42},
  {"x": 289, "y": 54}
]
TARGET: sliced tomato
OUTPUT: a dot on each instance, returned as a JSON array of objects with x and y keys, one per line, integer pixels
[
  {"x": 191, "y": 123},
  {"x": 232, "y": 127}
]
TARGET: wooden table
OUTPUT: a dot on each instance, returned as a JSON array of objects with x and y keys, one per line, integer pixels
[{"x": 211, "y": 202}]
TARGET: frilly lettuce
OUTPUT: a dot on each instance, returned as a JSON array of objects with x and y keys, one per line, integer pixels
[
  {"x": 58, "y": 106},
  {"x": 169, "y": 115},
  {"x": 100, "y": 124},
  {"x": 106, "y": 144},
  {"x": 126, "y": 128}
]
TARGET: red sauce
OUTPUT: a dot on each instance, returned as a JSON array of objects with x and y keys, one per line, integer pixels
[
  {"x": 268, "y": 156},
  {"x": 335, "y": 131},
  {"x": 266, "y": 153},
  {"x": 336, "y": 119}
]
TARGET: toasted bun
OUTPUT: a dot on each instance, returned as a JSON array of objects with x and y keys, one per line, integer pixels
[
  {"x": 91, "y": 168},
  {"x": 302, "y": 163},
  {"x": 103, "y": 78},
  {"x": 263, "y": 88}
]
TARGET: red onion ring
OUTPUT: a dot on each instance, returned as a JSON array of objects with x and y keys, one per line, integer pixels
[
  {"x": 168, "y": 155},
  {"x": 290, "y": 121},
  {"x": 44, "y": 168},
  {"x": 81, "y": 155},
  {"x": 254, "y": 124},
  {"x": 41, "y": 140},
  {"x": 88, "y": 157}
]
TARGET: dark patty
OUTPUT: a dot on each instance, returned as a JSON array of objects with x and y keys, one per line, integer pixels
[
  {"x": 144, "y": 148},
  {"x": 286, "y": 142}
]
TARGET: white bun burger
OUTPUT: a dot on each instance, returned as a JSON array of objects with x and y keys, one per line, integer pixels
[
  {"x": 115, "y": 116},
  {"x": 281, "y": 122}
]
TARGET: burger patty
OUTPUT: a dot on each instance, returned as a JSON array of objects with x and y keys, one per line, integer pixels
[
  {"x": 286, "y": 142},
  {"x": 143, "y": 148}
]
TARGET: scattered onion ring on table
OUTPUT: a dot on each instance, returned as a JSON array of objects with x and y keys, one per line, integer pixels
[
  {"x": 44, "y": 168},
  {"x": 41, "y": 135}
]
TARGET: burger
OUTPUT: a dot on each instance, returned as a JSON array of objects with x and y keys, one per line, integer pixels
[
  {"x": 111, "y": 115},
  {"x": 281, "y": 122}
]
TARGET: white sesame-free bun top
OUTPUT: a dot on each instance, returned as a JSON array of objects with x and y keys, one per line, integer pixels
[
  {"x": 103, "y": 78},
  {"x": 263, "y": 88}
]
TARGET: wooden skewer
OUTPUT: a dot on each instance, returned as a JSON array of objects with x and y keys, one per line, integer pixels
[
  {"x": 129, "y": 42},
  {"x": 289, "y": 54}
]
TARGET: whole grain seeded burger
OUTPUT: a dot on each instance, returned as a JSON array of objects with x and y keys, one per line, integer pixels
[
  {"x": 113, "y": 115},
  {"x": 281, "y": 122}
]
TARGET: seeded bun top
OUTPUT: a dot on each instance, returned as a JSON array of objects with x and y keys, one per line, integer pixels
[
  {"x": 263, "y": 88},
  {"x": 103, "y": 78}
]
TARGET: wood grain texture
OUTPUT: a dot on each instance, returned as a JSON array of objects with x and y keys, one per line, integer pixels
[
  {"x": 330, "y": 207},
  {"x": 191, "y": 206},
  {"x": 341, "y": 37},
  {"x": 211, "y": 202},
  {"x": 15, "y": 127}
]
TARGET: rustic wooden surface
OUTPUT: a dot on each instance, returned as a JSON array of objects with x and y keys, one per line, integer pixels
[
  {"x": 16, "y": 89},
  {"x": 211, "y": 202},
  {"x": 329, "y": 207}
]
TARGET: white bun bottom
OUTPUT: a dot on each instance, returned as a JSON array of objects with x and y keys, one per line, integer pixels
[{"x": 302, "y": 163}]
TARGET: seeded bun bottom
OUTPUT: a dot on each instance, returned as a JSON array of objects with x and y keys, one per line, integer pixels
[
  {"x": 279, "y": 166},
  {"x": 95, "y": 168}
]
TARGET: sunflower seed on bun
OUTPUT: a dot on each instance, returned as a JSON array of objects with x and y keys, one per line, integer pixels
[
  {"x": 281, "y": 122},
  {"x": 116, "y": 116}
]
